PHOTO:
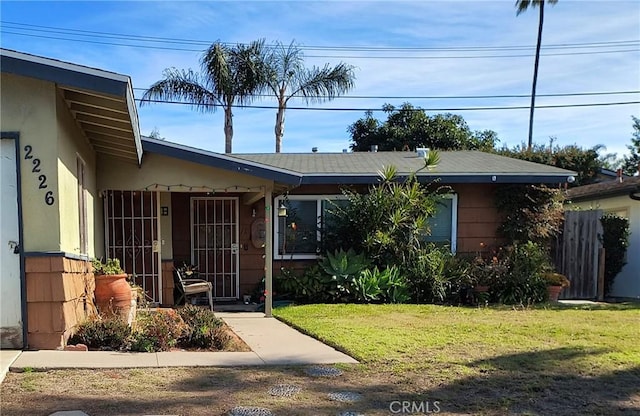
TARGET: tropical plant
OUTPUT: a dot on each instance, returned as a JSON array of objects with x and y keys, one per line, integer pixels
[
  {"x": 522, "y": 6},
  {"x": 343, "y": 267},
  {"x": 615, "y": 240},
  {"x": 386, "y": 286},
  {"x": 285, "y": 76},
  {"x": 230, "y": 76}
]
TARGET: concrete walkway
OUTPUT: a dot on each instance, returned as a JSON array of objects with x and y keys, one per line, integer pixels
[
  {"x": 7, "y": 357},
  {"x": 271, "y": 341}
]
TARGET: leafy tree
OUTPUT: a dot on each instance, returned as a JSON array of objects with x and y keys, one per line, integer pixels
[
  {"x": 522, "y": 6},
  {"x": 409, "y": 127},
  {"x": 285, "y": 76},
  {"x": 631, "y": 163},
  {"x": 585, "y": 162},
  {"x": 230, "y": 75},
  {"x": 615, "y": 240}
]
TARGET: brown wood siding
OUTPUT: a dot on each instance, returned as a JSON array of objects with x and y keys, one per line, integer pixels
[{"x": 478, "y": 217}]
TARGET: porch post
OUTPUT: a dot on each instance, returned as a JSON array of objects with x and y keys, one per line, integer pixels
[{"x": 268, "y": 251}]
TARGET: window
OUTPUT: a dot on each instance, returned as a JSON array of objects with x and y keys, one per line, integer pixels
[
  {"x": 82, "y": 204},
  {"x": 298, "y": 234},
  {"x": 444, "y": 224}
]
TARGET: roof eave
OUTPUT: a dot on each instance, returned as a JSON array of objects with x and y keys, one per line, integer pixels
[{"x": 497, "y": 178}]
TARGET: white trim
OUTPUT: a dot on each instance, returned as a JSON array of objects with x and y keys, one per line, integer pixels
[
  {"x": 454, "y": 220},
  {"x": 276, "y": 223}
]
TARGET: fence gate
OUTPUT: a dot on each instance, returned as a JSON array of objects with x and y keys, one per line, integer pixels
[
  {"x": 131, "y": 235},
  {"x": 214, "y": 243},
  {"x": 576, "y": 253}
]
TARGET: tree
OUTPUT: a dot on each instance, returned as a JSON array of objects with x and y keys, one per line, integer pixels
[
  {"x": 522, "y": 6},
  {"x": 585, "y": 162},
  {"x": 631, "y": 163},
  {"x": 409, "y": 127},
  {"x": 285, "y": 76},
  {"x": 230, "y": 76}
]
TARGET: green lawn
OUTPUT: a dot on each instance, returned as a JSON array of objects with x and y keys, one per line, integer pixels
[{"x": 542, "y": 359}]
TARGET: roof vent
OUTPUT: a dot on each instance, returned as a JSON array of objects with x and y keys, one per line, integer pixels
[
  {"x": 374, "y": 148},
  {"x": 314, "y": 149},
  {"x": 344, "y": 150},
  {"x": 422, "y": 152}
]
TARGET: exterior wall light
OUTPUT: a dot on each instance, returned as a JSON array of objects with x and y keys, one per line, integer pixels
[{"x": 282, "y": 210}]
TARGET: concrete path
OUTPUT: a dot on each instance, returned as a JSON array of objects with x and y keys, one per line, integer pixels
[
  {"x": 7, "y": 357},
  {"x": 271, "y": 341}
]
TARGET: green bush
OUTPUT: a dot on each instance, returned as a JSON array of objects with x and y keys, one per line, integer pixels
[
  {"x": 386, "y": 286},
  {"x": 521, "y": 281},
  {"x": 343, "y": 267},
  {"x": 437, "y": 275},
  {"x": 204, "y": 330},
  {"x": 157, "y": 330},
  {"x": 102, "y": 334},
  {"x": 615, "y": 240}
]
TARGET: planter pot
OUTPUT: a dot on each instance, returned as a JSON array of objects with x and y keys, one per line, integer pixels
[
  {"x": 481, "y": 288},
  {"x": 554, "y": 292},
  {"x": 113, "y": 294}
]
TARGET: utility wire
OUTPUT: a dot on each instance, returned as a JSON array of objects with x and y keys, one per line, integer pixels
[
  {"x": 77, "y": 32},
  {"x": 457, "y": 97},
  {"x": 327, "y": 56},
  {"x": 266, "y": 107}
]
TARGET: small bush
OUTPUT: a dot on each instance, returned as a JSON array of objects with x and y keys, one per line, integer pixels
[
  {"x": 204, "y": 329},
  {"x": 102, "y": 334},
  {"x": 522, "y": 282},
  {"x": 615, "y": 240},
  {"x": 157, "y": 330}
]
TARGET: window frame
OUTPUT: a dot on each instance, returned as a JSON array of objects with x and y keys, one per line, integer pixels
[{"x": 319, "y": 198}]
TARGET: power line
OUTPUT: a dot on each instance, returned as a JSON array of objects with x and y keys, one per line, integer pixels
[
  {"x": 113, "y": 35},
  {"x": 327, "y": 56},
  {"x": 458, "y": 97},
  {"x": 265, "y": 107}
]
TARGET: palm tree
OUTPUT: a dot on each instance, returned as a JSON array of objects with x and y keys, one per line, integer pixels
[
  {"x": 285, "y": 76},
  {"x": 522, "y": 6},
  {"x": 230, "y": 75}
]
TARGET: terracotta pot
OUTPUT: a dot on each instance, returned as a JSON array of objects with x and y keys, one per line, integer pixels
[
  {"x": 113, "y": 294},
  {"x": 554, "y": 292},
  {"x": 481, "y": 288}
]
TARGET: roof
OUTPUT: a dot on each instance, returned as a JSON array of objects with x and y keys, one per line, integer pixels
[
  {"x": 605, "y": 189},
  {"x": 102, "y": 102},
  {"x": 363, "y": 167},
  {"x": 454, "y": 167}
]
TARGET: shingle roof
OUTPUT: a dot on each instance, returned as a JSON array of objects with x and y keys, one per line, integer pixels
[
  {"x": 454, "y": 166},
  {"x": 606, "y": 189}
]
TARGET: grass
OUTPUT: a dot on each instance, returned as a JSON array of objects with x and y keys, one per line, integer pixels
[{"x": 481, "y": 361}]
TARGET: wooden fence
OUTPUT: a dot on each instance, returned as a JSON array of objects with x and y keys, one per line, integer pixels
[{"x": 577, "y": 253}]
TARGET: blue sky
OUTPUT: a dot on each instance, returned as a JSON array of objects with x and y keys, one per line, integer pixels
[{"x": 451, "y": 25}]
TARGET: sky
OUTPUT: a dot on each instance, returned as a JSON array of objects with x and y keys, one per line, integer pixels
[{"x": 401, "y": 51}]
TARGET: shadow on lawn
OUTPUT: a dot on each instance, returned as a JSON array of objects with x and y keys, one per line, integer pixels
[{"x": 541, "y": 383}]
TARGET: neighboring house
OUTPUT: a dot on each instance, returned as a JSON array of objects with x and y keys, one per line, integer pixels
[
  {"x": 620, "y": 196},
  {"x": 79, "y": 182}
]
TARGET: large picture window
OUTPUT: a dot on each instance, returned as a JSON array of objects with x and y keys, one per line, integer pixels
[{"x": 297, "y": 236}]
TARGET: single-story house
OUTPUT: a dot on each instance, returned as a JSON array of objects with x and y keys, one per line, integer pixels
[
  {"x": 79, "y": 182},
  {"x": 619, "y": 196}
]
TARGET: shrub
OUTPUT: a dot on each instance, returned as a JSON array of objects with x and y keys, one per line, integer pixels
[
  {"x": 374, "y": 285},
  {"x": 523, "y": 280},
  {"x": 343, "y": 267},
  {"x": 204, "y": 330},
  {"x": 157, "y": 330},
  {"x": 437, "y": 275},
  {"x": 615, "y": 240},
  {"x": 102, "y": 334}
]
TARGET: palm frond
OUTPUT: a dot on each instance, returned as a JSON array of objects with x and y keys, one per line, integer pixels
[
  {"x": 182, "y": 85},
  {"x": 321, "y": 84}
]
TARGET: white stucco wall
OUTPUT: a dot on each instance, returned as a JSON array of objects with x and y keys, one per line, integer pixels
[{"x": 627, "y": 283}]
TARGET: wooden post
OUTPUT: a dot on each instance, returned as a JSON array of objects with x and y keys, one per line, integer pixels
[
  {"x": 268, "y": 251},
  {"x": 601, "y": 274}
]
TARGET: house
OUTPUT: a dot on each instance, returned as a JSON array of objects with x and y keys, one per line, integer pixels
[
  {"x": 620, "y": 196},
  {"x": 79, "y": 182}
]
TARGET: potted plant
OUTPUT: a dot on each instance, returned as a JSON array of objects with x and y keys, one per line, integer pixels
[
  {"x": 555, "y": 283},
  {"x": 113, "y": 292}
]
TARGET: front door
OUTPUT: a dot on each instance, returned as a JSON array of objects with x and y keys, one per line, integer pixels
[
  {"x": 214, "y": 243},
  {"x": 132, "y": 237},
  {"x": 11, "y": 297}
]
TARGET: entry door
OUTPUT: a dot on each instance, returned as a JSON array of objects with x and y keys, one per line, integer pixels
[
  {"x": 214, "y": 243},
  {"x": 11, "y": 298},
  {"x": 131, "y": 225}
]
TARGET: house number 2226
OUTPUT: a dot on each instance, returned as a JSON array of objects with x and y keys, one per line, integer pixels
[{"x": 42, "y": 178}]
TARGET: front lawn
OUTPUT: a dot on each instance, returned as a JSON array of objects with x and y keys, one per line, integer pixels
[{"x": 471, "y": 361}]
